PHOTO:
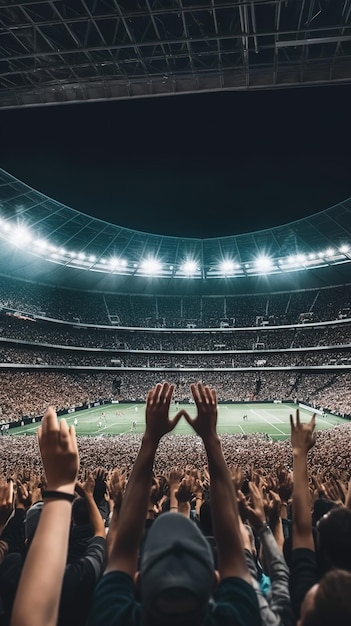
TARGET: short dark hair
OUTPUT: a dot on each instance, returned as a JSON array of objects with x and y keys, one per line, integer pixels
[
  {"x": 332, "y": 602},
  {"x": 80, "y": 512},
  {"x": 334, "y": 530}
]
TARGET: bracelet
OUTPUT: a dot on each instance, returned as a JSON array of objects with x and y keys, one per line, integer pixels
[
  {"x": 58, "y": 495},
  {"x": 173, "y": 507},
  {"x": 262, "y": 527}
]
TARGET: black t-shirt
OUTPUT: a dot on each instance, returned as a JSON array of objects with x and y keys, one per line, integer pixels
[
  {"x": 235, "y": 603},
  {"x": 303, "y": 575}
]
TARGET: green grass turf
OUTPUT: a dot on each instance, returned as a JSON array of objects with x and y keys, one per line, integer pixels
[{"x": 272, "y": 419}]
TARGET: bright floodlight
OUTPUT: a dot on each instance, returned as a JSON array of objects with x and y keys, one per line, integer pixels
[
  {"x": 263, "y": 263},
  {"x": 20, "y": 236},
  {"x": 42, "y": 245},
  {"x": 151, "y": 266},
  {"x": 227, "y": 266},
  {"x": 344, "y": 248},
  {"x": 329, "y": 252},
  {"x": 114, "y": 262},
  {"x": 190, "y": 267},
  {"x": 92, "y": 258},
  {"x": 81, "y": 256}
]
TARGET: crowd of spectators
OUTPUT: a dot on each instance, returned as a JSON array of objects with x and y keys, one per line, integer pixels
[
  {"x": 64, "y": 390},
  {"x": 176, "y": 512},
  {"x": 69, "y": 358},
  {"x": 173, "y": 311},
  {"x": 333, "y": 452},
  {"x": 29, "y": 331}
]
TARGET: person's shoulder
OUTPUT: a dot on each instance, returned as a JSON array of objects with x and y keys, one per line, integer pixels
[
  {"x": 235, "y": 604},
  {"x": 114, "y": 601}
]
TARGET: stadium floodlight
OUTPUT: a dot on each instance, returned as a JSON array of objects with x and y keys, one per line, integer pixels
[
  {"x": 62, "y": 251},
  {"x": 329, "y": 252},
  {"x": 92, "y": 258},
  {"x": 20, "y": 236},
  {"x": 301, "y": 258},
  {"x": 190, "y": 267},
  {"x": 344, "y": 248},
  {"x": 311, "y": 256},
  {"x": 227, "y": 266},
  {"x": 81, "y": 256},
  {"x": 42, "y": 245},
  {"x": 114, "y": 263},
  {"x": 123, "y": 262},
  {"x": 73, "y": 255},
  {"x": 5, "y": 226},
  {"x": 151, "y": 266},
  {"x": 263, "y": 263}
]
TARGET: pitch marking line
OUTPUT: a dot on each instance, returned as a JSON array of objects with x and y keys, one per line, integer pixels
[
  {"x": 277, "y": 419},
  {"x": 242, "y": 430},
  {"x": 268, "y": 422}
]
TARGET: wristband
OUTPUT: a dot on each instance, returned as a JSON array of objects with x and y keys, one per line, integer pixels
[
  {"x": 262, "y": 527},
  {"x": 58, "y": 495}
]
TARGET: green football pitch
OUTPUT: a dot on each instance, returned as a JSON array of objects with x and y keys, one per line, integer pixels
[{"x": 272, "y": 419}]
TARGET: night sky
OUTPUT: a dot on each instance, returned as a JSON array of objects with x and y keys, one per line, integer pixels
[{"x": 200, "y": 166}]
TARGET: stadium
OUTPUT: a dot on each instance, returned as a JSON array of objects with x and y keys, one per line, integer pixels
[{"x": 95, "y": 314}]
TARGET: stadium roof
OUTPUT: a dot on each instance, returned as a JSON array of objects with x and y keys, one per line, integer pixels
[
  {"x": 55, "y": 51},
  {"x": 45, "y": 240}
]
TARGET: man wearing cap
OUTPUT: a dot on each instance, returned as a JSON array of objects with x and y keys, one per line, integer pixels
[{"x": 177, "y": 582}]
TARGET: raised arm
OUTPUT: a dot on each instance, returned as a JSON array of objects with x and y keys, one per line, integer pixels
[
  {"x": 123, "y": 553},
  {"x": 38, "y": 594},
  {"x": 302, "y": 440},
  {"x": 231, "y": 557},
  {"x": 86, "y": 490}
]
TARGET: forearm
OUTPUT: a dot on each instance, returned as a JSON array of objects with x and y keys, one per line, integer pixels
[
  {"x": 231, "y": 558},
  {"x": 173, "y": 502},
  {"x": 39, "y": 589},
  {"x": 95, "y": 517},
  {"x": 124, "y": 550},
  {"x": 301, "y": 504},
  {"x": 348, "y": 496},
  {"x": 277, "y": 530},
  {"x": 184, "y": 508}
]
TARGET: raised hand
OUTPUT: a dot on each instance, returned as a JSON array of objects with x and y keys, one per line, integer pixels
[
  {"x": 185, "y": 490},
  {"x": 86, "y": 488},
  {"x": 205, "y": 422},
  {"x": 116, "y": 486},
  {"x": 174, "y": 477},
  {"x": 285, "y": 485},
  {"x": 23, "y": 495},
  {"x": 158, "y": 422},
  {"x": 302, "y": 435},
  {"x": 59, "y": 453},
  {"x": 6, "y": 501},
  {"x": 255, "y": 511}
]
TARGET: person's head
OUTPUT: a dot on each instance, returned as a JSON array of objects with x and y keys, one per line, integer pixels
[
  {"x": 177, "y": 575},
  {"x": 80, "y": 512},
  {"x": 334, "y": 539},
  {"x": 328, "y": 602}
]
